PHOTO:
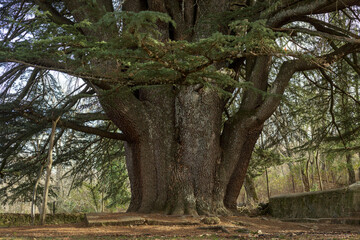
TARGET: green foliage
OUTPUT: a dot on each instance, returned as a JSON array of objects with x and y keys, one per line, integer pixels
[
  {"x": 256, "y": 37},
  {"x": 142, "y": 57},
  {"x": 135, "y": 23},
  {"x": 25, "y": 127},
  {"x": 263, "y": 159}
]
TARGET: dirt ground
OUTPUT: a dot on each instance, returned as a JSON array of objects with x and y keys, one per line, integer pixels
[{"x": 239, "y": 227}]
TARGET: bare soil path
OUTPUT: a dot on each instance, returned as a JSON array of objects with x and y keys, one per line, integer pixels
[{"x": 237, "y": 227}]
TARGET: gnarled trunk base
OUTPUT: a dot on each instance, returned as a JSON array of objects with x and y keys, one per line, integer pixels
[{"x": 175, "y": 159}]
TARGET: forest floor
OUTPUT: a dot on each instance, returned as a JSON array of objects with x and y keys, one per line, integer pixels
[{"x": 236, "y": 227}]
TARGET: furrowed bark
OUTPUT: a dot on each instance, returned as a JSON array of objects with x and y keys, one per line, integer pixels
[
  {"x": 237, "y": 178},
  {"x": 198, "y": 122}
]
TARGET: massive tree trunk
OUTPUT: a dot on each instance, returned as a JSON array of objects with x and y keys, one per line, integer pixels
[{"x": 176, "y": 159}]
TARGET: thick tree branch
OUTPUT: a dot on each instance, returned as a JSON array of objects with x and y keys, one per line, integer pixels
[
  {"x": 135, "y": 5},
  {"x": 37, "y": 63},
  {"x": 307, "y": 7},
  {"x": 330, "y": 34},
  {"x": 107, "y": 4},
  {"x": 46, "y": 64},
  {"x": 41, "y": 120},
  {"x": 126, "y": 111},
  {"x": 91, "y": 130},
  {"x": 12, "y": 72},
  {"x": 326, "y": 27},
  {"x": 287, "y": 70},
  {"x": 337, "y": 5},
  {"x": 55, "y": 16},
  {"x": 28, "y": 86}
]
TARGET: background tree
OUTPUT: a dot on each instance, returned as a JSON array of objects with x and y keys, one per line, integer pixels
[
  {"x": 79, "y": 158},
  {"x": 166, "y": 72}
]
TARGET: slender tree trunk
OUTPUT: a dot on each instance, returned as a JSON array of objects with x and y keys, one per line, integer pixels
[
  {"x": 34, "y": 196},
  {"x": 326, "y": 172},
  {"x": 250, "y": 190},
  {"x": 350, "y": 168},
  {"x": 94, "y": 197},
  {"x": 102, "y": 200},
  {"x": 59, "y": 184},
  {"x": 318, "y": 170},
  {"x": 33, "y": 199},
  {"x": 48, "y": 172},
  {"x": 305, "y": 176},
  {"x": 310, "y": 170},
  {"x": 292, "y": 176},
  {"x": 267, "y": 184}
]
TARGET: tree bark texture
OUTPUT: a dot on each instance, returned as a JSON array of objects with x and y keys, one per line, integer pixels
[{"x": 175, "y": 158}]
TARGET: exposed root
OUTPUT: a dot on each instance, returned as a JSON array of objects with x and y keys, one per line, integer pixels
[
  {"x": 219, "y": 209},
  {"x": 223, "y": 212}
]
